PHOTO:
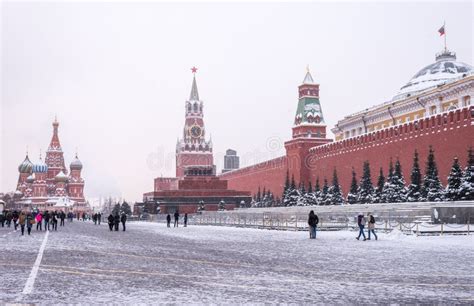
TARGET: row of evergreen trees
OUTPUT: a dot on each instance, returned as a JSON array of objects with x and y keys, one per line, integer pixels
[{"x": 390, "y": 189}]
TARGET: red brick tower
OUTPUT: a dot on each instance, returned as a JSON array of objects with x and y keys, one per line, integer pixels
[
  {"x": 193, "y": 149},
  {"x": 309, "y": 130},
  {"x": 54, "y": 159}
]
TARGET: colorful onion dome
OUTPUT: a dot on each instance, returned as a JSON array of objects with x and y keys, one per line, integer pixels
[
  {"x": 26, "y": 166},
  {"x": 76, "y": 164},
  {"x": 30, "y": 179},
  {"x": 61, "y": 177},
  {"x": 40, "y": 167}
]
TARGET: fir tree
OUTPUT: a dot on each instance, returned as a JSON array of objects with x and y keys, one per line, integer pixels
[
  {"x": 259, "y": 195},
  {"x": 323, "y": 199},
  {"x": 388, "y": 188},
  {"x": 292, "y": 195},
  {"x": 222, "y": 205},
  {"x": 126, "y": 209},
  {"x": 396, "y": 192},
  {"x": 310, "y": 187},
  {"x": 379, "y": 189},
  {"x": 116, "y": 209},
  {"x": 432, "y": 189},
  {"x": 335, "y": 193},
  {"x": 352, "y": 195},
  {"x": 466, "y": 190},
  {"x": 365, "y": 192},
  {"x": 316, "y": 197},
  {"x": 454, "y": 182},
  {"x": 414, "y": 189}
]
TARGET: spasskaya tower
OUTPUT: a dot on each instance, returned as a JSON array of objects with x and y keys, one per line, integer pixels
[{"x": 193, "y": 149}]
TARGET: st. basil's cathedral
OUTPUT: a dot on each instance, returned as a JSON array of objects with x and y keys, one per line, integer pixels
[{"x": 48, "y": 185}]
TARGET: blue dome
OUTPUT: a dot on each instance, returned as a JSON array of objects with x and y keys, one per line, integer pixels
[
  {"x": 40, "y": 167},
  {"x": 26, "y": 166}
]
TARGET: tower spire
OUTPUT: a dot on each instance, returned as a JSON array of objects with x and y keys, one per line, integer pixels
[{"x": 194, "y": 96}]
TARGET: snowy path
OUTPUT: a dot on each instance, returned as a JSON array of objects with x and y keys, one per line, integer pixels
[{"x": 150, "y": 263}]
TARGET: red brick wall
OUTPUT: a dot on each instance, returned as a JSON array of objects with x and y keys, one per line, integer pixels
[
  {"x": 269, "y": 175},
  {"x": 450, "y": 135}
]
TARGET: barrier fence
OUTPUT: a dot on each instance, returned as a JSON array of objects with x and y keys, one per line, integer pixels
[{"x": 299, "y": 222}]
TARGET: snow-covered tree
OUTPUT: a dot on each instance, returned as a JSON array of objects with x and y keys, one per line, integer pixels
[
  {"x": 323, "y": 198},
  {"x": 414, "y": 189},
  {"x": 201, "y": 206},
  {"x": 125, "y": 208},
  {"x": 454, "y": 182},
  {"x": 395, "y": 190},
  {"x": 310, "y": 196},
  {"x": 335, "y": 193},
  {"x": 292, "y": 194},
  {"x": 378, "y": 198},
  {"x": 365, "y": 192},
  {"x": 466, "y": 190},
  {"x": 317, "y": 193},
  {"x": 222, "y": 205},
  {"x": 116, "y": 209},
  {"x": 352, "y": 195},
  {"x": 432, "y": 189}
]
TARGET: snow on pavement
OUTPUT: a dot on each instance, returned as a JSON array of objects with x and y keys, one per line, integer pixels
[{"x": 150, "y": 263}]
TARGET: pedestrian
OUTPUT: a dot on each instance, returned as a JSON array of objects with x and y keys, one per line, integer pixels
[
  {"x": 99, "y": 216},
  {"x": 22, "y": 221},
  {"x": 313, "y": 221},
  {"x": 83, "y": 216},
  {"x": 30, "y": 220},
  {"x": 54, "y": 221},
  {"x": 2, "y": 218},
  {"x": 361, "y": 223},
  {"x": 15, "y": 218},
  {"x": 123, "y": 219},
  {"x": 9, "y": 217},
  {"x": 116, "y": 222},
  {"x": 94, "y": 218},
  {"x": 168, "y": 220},
  {"x": 46, "y": 217},
  {"x": 371, "y": 226},
  {"x": 62, "y": 216},
  {"x": 185, "y": 220},
  {"x": 39, "y": 221},
  {"x": 176, "y": 219},
  {"x": 110, "y": 220}
]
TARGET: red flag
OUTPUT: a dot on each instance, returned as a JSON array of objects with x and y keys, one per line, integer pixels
[{"x": 441, "y": 31}]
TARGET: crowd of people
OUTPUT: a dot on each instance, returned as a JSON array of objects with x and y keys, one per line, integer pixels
[
  {"x": 27, "y": 219},
  {"x": 313, "y": 221},
  {"x": 176, "y": 219}
]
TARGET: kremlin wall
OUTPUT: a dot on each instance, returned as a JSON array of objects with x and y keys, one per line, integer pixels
[{"x": 432, "y": 109}]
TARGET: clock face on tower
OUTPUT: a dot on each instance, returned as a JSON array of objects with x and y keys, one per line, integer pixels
[{"x": 195, "y": 131}]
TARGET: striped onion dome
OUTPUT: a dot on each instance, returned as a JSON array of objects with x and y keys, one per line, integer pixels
[
  {"x": 61, "y": 177},
  {"x": 26, "y": 166},
  {"x": 40, "y": 167}
]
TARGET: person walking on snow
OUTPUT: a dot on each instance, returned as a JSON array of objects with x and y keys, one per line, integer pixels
[
  {"x": 54, "y": 221},
  {"x": 22, "y": 221},
  {"x": 30, "y": 220},
  {"x": 168, "y": 220},
  {"x": 176, "y": 219},
  {"x": 313, "y": 221},
  {"x": 39, "y": 221},
  {"x": 123, "y": 219},
  {"x": 110, "y": 220},
  {"x": 371, "y": 225},
  {"x": 99, "y": 216},
  {"x": 46, "y": 220},
  {"x": 15, "y": 218},
  {"x": 62, "y": 216},
  {"x": 116, "y": 221},
  {"x": 185, "y": 220},
  {"x": 361, "y": 223}
]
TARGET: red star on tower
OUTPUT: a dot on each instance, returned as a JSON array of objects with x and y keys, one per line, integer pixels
[{"x": 194, "y": 69}]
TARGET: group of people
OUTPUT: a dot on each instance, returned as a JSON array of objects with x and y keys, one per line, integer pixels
[
  {"x": 26, "y": 219},
  {"x": 114, "y": 221},
  {"x": 176, "y": 219},
  {"x": 313, "y": 221},
  {"x": 97, "y": 218}
]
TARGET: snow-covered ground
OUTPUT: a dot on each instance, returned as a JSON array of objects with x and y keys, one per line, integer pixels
[{"x": 150, "y": 263}]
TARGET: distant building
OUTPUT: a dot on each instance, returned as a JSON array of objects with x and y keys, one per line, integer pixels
[{"x": 231, "y": 161}]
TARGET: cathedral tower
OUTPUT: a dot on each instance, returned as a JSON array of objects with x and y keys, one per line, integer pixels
[
  {"x": 193, "y": 149},
  {"x": 54, "y": 158}
]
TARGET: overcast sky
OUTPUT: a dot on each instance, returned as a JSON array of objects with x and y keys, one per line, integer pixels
[{"x": 117, "y": 76}]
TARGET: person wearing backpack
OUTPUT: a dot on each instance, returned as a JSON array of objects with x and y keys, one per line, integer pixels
[
  {"x": 313, "y": 221},
  {"x": 371, "y": 225},
  {"x": 361, "y": 223}
]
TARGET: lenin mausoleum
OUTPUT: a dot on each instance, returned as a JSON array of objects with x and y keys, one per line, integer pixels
[{"x": 432, "y": 109}]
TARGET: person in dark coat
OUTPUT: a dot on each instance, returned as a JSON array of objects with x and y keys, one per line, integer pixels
[
  {"x": 116, "y": 221},
  {"x": 46, "y": 217},
  {"x": 62, "y": 217},
  {"x": 94, "y": 218},
  {"x": 313, "y": 221},
  {"x": 185, "y": 220},
  {"x": 361, "y": 223},
  {"x": 2, "y": 218},
  {"x": 15, "y": 218},
  {"x": 123, "y": 219},
  {"x": 110, "y": 220},
  {"x": 168, "y": 220},
  {"x": 99, "y": 216},
  {"x": 54, "y": 221},
  {"x": 176, "y": 219},
  {"x": 29, "y": 222}
]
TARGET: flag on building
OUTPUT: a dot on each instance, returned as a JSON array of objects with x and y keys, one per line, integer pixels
[{"x": 441, "y": 31}]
